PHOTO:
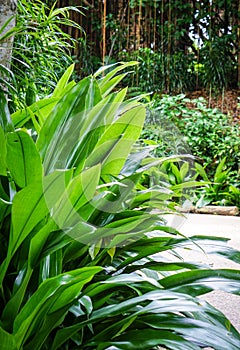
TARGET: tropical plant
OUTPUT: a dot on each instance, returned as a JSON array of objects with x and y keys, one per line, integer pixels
[
  {"x": 222, "y": 191},
  {"x": 82, "y": 263},
  {"x": 209, "y": 133},
  {"x": 151, "y": 74},
  {"x": 41, "y": 51}
]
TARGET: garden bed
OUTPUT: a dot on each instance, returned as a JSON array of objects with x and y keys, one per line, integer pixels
[{"x": 226, "y": 102}]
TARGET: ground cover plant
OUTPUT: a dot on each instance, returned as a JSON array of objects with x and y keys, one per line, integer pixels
[
  {"x": 176, "y": 124},
  {"x": 82, "y": 254}
]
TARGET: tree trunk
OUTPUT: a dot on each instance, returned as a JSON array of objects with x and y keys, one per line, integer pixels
[{"x": 8, "y": 9}]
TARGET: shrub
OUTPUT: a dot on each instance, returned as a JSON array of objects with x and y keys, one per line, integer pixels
[
  {"x": 81, "y": 250},
  {"x": 209, "y": 133},
  {"x": 41, "y": 51}
]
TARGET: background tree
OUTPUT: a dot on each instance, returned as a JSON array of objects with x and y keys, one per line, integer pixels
[{"x": 196, "y": 41}]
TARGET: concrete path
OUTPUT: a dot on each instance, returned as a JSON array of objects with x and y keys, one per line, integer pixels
[{"x": 221, "y": 226}]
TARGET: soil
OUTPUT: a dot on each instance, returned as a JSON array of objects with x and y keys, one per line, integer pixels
[{"x": 227, "y": 102}]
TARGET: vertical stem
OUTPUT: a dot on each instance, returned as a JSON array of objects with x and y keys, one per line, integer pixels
[
  {"x": 169, "y": 45},
  {"x": 162, "y": 43},
  {"x": 139, "y": 24},
  {"x": 128, "y": 28},
  {"x": 154, "y": 24},
  {"x": 104, "y": 30}
]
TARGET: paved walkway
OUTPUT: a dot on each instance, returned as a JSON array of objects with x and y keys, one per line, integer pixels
[{"x": 221, "y": 226}]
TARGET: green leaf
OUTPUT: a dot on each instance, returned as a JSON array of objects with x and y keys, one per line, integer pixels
[
  {"x": 115, "y": 145},
  {"x": 108, "y": 82},
  {"x": 23, "y": 159},
  {"x": 40, "y": 108},
  {"x": 59, "y": 90},
  {"x": 7, "y": 340},
  {"x": 198, "y": 282},
  {"x": 28, "y": 209},
  {"x": 60, "y": 133},
  {"x": 201, "y": 172},
  {"x": 30, "y": 206},
  {"x": 47, "y": 306},
  {"x": 3, "y": 152},
  {"x": 148, "y": 339},
  {"x": 219, "y": 170},
  {"x": 73, "y": 196},
  {"x": 5, "y": 119}
]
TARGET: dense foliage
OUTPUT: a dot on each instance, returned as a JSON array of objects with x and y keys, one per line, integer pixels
[
  {"x": 83, "y": 257},
  {"x": 178, "y": 125},
  {"x": 41, "y": 51},
  {"x": 187, "y": 39}
]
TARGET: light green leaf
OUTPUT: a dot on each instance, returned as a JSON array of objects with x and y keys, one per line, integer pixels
[
  {"x": 63, "y": 82},
  {"x": 23, "y": 159},
  {"x": 40, "y": 108},
  {"x": 3, "y": 152},
  {"x": 60, "y": 133},
  {"x": 115, "y": 145}
]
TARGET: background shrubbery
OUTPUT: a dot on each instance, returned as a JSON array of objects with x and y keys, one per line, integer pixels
[{"x": 177, "y": 125}]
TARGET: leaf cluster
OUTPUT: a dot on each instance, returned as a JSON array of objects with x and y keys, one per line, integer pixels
[{"x": 83, "y": 261}]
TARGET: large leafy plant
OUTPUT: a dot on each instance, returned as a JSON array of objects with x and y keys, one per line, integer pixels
[{"x": 82, "y": 254}]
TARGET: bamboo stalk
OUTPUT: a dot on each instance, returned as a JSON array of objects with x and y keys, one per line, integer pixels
[
  {"x": 128, "y": 27},
  {"x": 154, "y": 24},
  {"x": 104, "y": 30},
  {"x": 169, "y": 45},
  {"x": 138, "y": 36}
]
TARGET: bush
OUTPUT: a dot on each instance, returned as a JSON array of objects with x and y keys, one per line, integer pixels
[
  {"x": 209, "y": 133},
  {"x": 155, "y": 72},
  {"x": 41, "y": 50},
  {"x": 81, "y": 249}
]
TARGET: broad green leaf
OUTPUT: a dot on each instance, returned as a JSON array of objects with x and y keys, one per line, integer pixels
[
  {"x": 158, "y": 306},
  {"x": 176, "y": 173},
  {"x": 110, "y": 85},
  {"x": 184, "y": 170},
  {"x": 28, "y": 209},
  {"x": 66, "y": 197},
  {"x": 95, "y": 123},
  {"x": 23, "y": 159},
  {"x": 211, "y": 245},
  {"x": 115, "y": 145},
  {"x": 7, "y": 340},
  {"x": 3, "y": 152},
  {"x": 198, "y": 282},
  {"x": 38, "y": 241},
  {"x": 163, "y": 266},
  {"x": 30, "y": 206},
  {"x": 147, "y": 339},
  {"x": 208, "y": 327},
  {"x": 46, "y": 307},
  {"x": 219, "y": 169},
  {"x": 60, "y": 133}
]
